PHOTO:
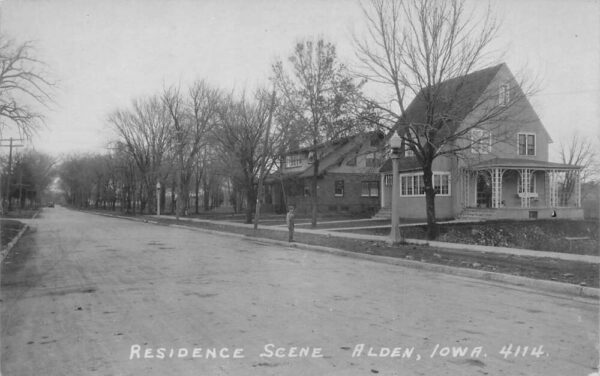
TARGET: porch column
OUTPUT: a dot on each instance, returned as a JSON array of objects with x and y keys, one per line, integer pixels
[
  {"x": 382, "y": 190},
  {"x": 497, "y": 187},
  {"x": 553, "y": 188},
  {"x": 525, "y": 176}
]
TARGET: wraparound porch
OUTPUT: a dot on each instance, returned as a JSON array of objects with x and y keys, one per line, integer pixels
[{"x": 521, "y": 189}]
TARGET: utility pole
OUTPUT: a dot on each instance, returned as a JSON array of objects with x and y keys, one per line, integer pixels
[{"x": 11, "y": 145}]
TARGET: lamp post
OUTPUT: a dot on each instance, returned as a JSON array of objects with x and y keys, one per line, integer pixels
[
  {"x": 395, "y": 145},
  {"x": 158, "y": 198}
]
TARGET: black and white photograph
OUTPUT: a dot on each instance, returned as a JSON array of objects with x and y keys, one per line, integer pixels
[{"x": 286, "y": 187}]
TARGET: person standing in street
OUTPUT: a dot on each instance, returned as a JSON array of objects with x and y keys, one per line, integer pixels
[{"x": 289, "y": 220}]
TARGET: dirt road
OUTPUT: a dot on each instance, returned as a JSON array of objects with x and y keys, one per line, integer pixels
[{"x": 89, "y": 295}]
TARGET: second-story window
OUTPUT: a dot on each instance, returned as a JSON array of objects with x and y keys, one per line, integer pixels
[
  {"x": 407, "y": 150},
  {"x": 372, "y": 160},
  {"x": 504, "y": 95},
  {"x": 481, "y": 141},
  {"x": 526, "y": 144},
  {"x": 292, "y": 161}
]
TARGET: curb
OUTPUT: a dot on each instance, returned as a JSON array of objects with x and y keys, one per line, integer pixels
[
  {"x": 537, "y": 284},
  {"x": 518, "y": 281},
  {"x": 12, "y": 243}
]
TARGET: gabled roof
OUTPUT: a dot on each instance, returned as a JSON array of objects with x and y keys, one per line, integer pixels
[
  {"x": 335, "y": 156},
  {"x": 333, "y": 153},
  {"x": 456, "y": 99}
]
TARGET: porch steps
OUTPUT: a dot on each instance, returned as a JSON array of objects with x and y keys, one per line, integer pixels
[
  {"x": 476, "y": 214},
  {"x": 383, "y": 213}
]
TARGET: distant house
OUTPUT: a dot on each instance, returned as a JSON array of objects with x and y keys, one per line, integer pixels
[
  {"x": 500, "y": 175},
  {"x": 348, "y": 179}
]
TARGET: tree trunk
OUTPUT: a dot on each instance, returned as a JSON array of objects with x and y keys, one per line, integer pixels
[
  {"x": 251, "y": 203},
  {"x": 206, "y": 195},
  {"x": 197, "y": 199},
  {"x": 432, "y": 227},
  {"x": 173, "y": 197},
  {"x": 313, "y": 189}
]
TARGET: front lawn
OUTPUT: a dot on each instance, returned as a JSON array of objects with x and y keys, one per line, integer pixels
[{"x": 8, "y": 230}]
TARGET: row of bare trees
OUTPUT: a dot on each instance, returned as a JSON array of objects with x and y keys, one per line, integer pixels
[
  {"x": 26, "y": 184},
  {"x": 416, "y": 50},
  {"x": 184, "y": 136}
]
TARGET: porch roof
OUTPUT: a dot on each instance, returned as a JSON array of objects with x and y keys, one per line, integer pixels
[{"x": 512, "y": 163}]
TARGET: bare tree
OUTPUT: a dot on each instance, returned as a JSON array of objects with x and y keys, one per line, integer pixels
[
  {"x": 144, "y": 130},
  {"x": 242, "y": 136},
  {"x": 22, "y": 81},
  {"x": 318, "y": 98},
  {"x": 191, "y": 118},
  {"x": 579, "y": 151},
  {"x": 426, "y": 51},
  {"x": 34, "y": 171}
]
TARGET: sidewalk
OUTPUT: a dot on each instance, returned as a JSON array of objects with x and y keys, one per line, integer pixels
[{"x": 379, "y": 238}]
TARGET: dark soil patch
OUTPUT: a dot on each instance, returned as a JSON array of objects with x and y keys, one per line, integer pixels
[
  {"x": 542, "y": 235},
  {"x": 580, "y": 273},
  {"x": 9, "y": 228}
]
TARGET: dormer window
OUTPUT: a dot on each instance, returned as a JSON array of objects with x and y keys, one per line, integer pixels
[
  {"x": 292, "y": 161},
  {"x": 504, "y": 95},
  {"x": 526, "y": 143},
  {"x": 481, "y": 141},
  {"x": 372, "y": 160},
  {"x": 408, "y": 152}
]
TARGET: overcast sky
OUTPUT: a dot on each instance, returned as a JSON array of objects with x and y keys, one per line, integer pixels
[{"x": 105, "y": 53}]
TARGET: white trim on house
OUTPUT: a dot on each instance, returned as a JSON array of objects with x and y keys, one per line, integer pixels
[{"x": 504, "y": 94}]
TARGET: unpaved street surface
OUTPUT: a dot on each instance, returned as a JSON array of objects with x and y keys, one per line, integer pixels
[{"x": 90, "y": 295}]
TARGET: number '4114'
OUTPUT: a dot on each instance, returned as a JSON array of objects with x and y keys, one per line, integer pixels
[{"x": 508, "y": 351}]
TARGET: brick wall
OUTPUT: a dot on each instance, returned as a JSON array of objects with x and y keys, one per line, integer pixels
[{"x": 350, "y": 202}]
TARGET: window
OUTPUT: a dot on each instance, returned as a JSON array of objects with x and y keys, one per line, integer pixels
[
  {"x": 413, "y": 185},
  {"x": 370, "y": 189},
  {"x": 407, "y": 151},
  {"x": 532, "y": 184},
  {"x": 504, "y": 95},
  {"x": 372, "y": 160},
  {"x": 441, "y": 183},
  {"x": 292, "y": 161},
  {"x": 526, "y": 144},
  {"x": 339, "y": 188},
  {"x": 481, "y": 141}
]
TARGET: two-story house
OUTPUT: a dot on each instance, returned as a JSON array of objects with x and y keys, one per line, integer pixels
[
  {"x": 503, "y": 171},
  {"x": 348, "y": 177}
]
